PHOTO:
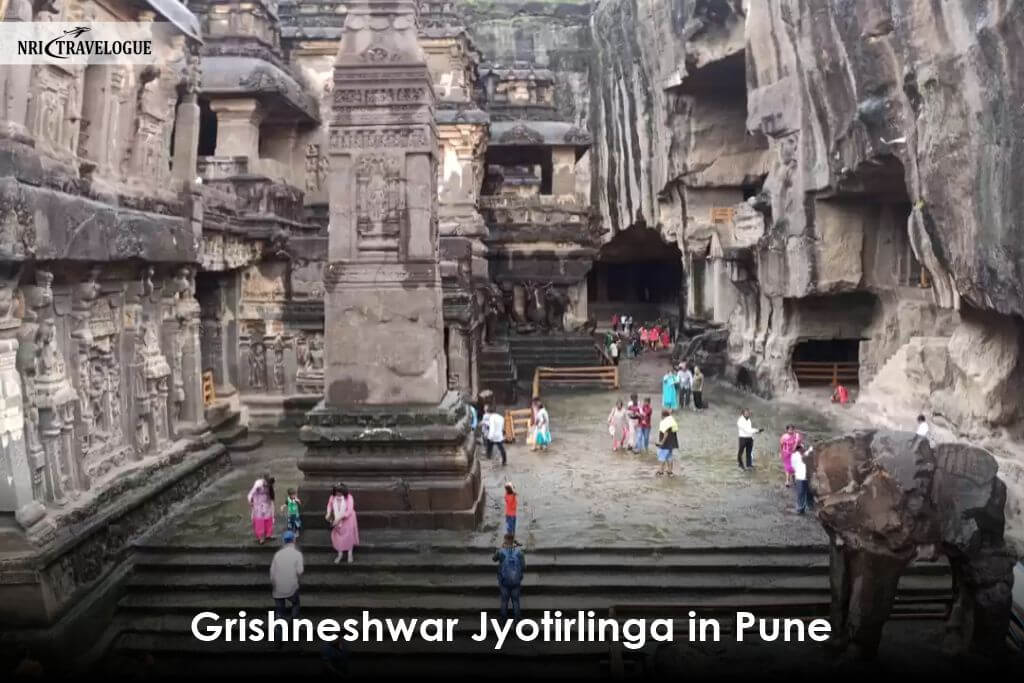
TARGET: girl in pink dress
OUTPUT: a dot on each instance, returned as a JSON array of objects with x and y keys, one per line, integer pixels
[
  {"x": 341, "y": 514},
  {"x": 261, "y": 508},
  {"x": 787, "y": 444}
]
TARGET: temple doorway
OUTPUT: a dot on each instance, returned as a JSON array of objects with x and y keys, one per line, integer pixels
[{"x": 639, "y": 274}]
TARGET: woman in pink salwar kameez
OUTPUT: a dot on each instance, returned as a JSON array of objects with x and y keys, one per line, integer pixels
[
  {"x": 787, "y": 444},
  {"x": 261, "y": 508},
  {"x": 341, "y": 514}
]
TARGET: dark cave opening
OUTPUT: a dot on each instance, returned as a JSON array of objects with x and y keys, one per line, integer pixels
[
  {"x": 826, "y": 361},
  {"x": 636, "y": 273}
]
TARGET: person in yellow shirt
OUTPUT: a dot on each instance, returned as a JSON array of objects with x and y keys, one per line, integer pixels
[{"x": 668, "y": 441}]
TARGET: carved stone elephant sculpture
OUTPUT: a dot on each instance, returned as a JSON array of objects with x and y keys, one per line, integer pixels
[{"x": 886, "y": 498}]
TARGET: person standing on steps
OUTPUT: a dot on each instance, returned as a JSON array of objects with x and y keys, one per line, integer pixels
[
  {"x": 511, "y": 508},
  {"x": 746, "y": 439},
  {"x": 613, "y": 351},
  {"x": 668, "y": 441},
  {"x": 341, "y": 515},
  {"x": 285, "y": 570},
  {"x": 922, "y": 427},
  {"x": 261, "y": 508},
  {"x": 496, "y": 435},
  {"x": 511, "y": 567},
  {"x": 293, "y": 506},
  {"x": 698, "y": 388}
]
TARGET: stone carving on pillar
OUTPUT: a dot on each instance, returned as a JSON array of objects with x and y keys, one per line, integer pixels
[
  {"x": 316, "y": 168},
  {"x": 380, "y": 201},
  {"x": 257, "y": 363},
  {"x": 278, "y": 348},
  {"x": 309, "y": 355},
  {"x": 152, "y": 372},
  {"x": 387, "y": 420}
]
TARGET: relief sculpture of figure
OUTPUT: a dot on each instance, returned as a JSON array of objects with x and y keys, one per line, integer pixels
[
  {"x": 279, "y": 362},
  {"x": 15, "y": 79},
  {"x": 257, "y": 365}
]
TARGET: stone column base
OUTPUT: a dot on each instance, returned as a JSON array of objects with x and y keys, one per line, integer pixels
[{"x": 409, "y": 467}]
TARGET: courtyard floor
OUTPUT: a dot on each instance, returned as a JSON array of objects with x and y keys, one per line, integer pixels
[{"x": 580, "y": 493}]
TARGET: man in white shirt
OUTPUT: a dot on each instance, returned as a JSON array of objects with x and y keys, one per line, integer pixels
[
  {"x": 496, "y": 434},
  {"x": 685, "y": 379},
  {"x": 746, "y": 433},
  {"x": 922, "y": 427},
  {"x": 803, "y": 490},
  {"x": 285, "y": 570}
]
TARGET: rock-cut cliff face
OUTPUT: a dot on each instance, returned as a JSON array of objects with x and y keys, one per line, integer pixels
[
  {"x": 937, "y": 85},
  {"x": 831, "y": 169}
]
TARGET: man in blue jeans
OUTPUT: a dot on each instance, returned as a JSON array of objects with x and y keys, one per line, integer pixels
[{"x": 511, "y": 565}]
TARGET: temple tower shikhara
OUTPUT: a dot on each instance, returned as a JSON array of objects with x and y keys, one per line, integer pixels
[{"x": 387, "y": 425}]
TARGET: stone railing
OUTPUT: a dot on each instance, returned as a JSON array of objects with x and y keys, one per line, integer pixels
[{"x": 216, "y": 168}]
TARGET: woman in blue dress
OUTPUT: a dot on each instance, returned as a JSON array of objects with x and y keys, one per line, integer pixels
[{"x": 669, "y": 394}]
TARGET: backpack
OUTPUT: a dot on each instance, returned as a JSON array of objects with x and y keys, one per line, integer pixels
[{"x": 511, "y": 571}]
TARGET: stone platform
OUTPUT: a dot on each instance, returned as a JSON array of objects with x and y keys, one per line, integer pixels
[{"x": 409, "y": 467}]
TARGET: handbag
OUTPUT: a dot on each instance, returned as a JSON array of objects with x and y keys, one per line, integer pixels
[{"x": 611, "y": 430}]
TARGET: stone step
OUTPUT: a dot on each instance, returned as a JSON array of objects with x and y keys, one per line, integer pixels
[
  {"x": 231, "y": 434},
  {"x": 414, "y": 603},
  {"x": 462, "y": 645},
  {"x": 248, "y": 443},
  {"x": 221, "y": 416},
  {"x": 289, "y": 663},
  {"x": 343, "y": 579},
  {"x": 259, "y": 557}
]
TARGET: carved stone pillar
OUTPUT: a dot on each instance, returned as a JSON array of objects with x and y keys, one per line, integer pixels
[
  {"x": 386, "y": 424},
  {"x": 56, "y": 400},
  {"x": 563, "y": 165},
  {"x": 238, "y": 127},
  {"x": 14, "y": 83},
  {"x": 190, "y": 412},
  {"x": 186, "y": 139},
  {"x": 170, "y": 341},
  {"x": 16, "y": 491}
]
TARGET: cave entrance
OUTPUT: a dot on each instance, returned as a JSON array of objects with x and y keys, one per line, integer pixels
[
  {"x": 639, "y": 274},
  {"x": 829, "y": 331},
  {"x": 826, "y": 361}
]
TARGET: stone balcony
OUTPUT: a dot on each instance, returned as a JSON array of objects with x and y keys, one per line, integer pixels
[
  {"x": 251, "y": 192},
  {"x": 539, "y": 218}
]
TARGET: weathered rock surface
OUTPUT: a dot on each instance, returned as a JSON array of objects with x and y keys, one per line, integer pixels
[{"x": 885, "y": 498}]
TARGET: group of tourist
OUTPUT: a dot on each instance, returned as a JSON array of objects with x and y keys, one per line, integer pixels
[
  {"x": 680, "y": 386},
  {"x": 626, "y": 340}
]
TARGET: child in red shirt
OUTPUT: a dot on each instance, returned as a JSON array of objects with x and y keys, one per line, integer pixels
[{"x": 511, "y": 503}]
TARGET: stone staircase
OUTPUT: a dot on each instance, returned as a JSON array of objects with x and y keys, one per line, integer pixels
[
  {"x": 225, "y": 420},
  {"x": 530, "y": 351},
  {"x": 498, "y": 373},
  {"x": 171, "y": 584}
]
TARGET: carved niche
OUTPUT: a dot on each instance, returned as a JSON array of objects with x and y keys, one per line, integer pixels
[{"x": 380, "y": 200}]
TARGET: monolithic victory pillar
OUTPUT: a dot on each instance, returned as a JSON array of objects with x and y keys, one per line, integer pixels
[{"x": 387, "y": 427}]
